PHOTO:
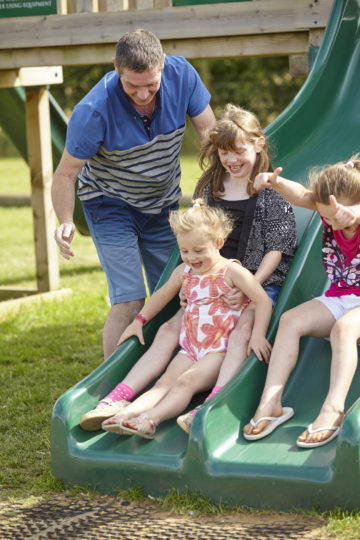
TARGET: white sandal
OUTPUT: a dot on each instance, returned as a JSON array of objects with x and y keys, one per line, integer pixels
[
  {"x": 310, "y": 430},
  {"x": 130, "y": 431}
]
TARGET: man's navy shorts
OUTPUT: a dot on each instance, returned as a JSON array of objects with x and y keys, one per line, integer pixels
[{"x": 126, "y": 239}]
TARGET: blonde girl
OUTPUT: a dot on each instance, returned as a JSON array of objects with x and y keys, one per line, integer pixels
[
  {"x": 204, "y": 276},
  {"x": 335, "y": 193}
]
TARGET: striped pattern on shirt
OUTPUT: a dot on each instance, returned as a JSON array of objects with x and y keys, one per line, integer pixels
[{"x": 146, "y": 176}]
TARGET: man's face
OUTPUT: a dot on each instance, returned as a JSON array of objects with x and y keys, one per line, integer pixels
[{"x": 140, "y": 87}]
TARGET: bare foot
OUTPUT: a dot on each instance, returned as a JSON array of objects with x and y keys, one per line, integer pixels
[
  {"x": 141, "y": 425},
  {"x": 114, "y": 420},
  {"x": 249, "y": 429},
  {"x": 325, "y": 419}
]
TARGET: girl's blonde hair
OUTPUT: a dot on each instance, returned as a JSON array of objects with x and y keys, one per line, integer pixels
[
  {"x": 234, "y": 124},
  {"x": 341, "y": 180},
  {"x": 213, "y": 222}
]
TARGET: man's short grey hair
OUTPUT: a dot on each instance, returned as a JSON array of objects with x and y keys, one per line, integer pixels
[{"x": 139, "y": 50}]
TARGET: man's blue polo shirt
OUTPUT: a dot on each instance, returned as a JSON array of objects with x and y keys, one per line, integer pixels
[{"x": 126, "y": 159}]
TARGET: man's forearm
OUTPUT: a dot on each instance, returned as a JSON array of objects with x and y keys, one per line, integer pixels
[{"x": 63, "y": 198}]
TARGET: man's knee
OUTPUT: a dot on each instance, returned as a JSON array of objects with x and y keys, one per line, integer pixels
[{"x": 127, "y": 310}]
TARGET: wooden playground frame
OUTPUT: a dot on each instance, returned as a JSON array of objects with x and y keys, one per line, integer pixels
[{"x": 85, "y": 32}]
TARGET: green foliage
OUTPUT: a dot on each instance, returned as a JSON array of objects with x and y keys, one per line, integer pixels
[
  {"x": 262, "y": 85},
  {"x": 78, "y": 81}
]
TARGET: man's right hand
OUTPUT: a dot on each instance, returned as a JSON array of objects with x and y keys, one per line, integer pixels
[{"x": 64, "y": 235}]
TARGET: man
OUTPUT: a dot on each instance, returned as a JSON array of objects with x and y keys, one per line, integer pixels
[{"x": 123, "y": 142}]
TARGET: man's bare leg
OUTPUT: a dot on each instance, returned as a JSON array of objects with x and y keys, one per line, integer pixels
[{"x": 120, "y": 316}]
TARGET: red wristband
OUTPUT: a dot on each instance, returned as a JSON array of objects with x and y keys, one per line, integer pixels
[{"x": 141, "y": 318}]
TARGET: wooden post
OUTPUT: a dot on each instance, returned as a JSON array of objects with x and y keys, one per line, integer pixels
[{"x": 38, "y": 133}]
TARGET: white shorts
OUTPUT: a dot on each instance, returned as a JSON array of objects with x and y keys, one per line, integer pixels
[{"x": 339, "y": 305}]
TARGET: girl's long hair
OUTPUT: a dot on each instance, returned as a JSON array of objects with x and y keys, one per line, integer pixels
[{"x": 235, "y": 124}]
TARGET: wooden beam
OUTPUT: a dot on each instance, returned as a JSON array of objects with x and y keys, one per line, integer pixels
[
  {"x": 38, "y": 135},
  {"x": 185, "y": 22},
  {"x": 30, "y": 76},
  {"x": 10, "y": 307},
  {"x": 299, "y": 65},
  {"x": 15, "y": 200},
  {"x": 236, "y": 46},
  {"x": 7, "y": 293},
  {"x": 222, "y": 47}
]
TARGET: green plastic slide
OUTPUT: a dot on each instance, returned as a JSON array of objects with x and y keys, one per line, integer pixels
[{"x": 321, "y": 125}]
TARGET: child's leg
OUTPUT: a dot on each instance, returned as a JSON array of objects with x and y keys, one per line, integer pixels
[
  {"x": 197, "y": 378},
  {"x": 157, "y": 357},
  {"x": 236, "y": 353},
  {"x": 343, "y": 337},
  {"x": 309, "y": 319},
  {"x": 150, "y": 398}
]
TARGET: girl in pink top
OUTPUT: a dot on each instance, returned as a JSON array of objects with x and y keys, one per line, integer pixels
[
  {"x": 205, "y": 276},
  {"x": 335, "y": 194}
]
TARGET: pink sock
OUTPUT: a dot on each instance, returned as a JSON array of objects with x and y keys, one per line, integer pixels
[
  {"x": 121, "y": 391},
  {"x": 213, "y": 392}
]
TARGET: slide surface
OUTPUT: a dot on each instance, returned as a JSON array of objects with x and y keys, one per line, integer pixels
[{"x": 321, "y": 125}]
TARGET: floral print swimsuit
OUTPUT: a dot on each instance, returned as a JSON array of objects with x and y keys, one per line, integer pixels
[{"x": 207, "y": 320}]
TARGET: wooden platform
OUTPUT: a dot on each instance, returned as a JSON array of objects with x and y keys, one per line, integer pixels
[{"x": 257, "y": 28}]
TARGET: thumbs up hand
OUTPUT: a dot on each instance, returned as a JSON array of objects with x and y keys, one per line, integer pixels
[
  {"x": 267, "y": 179},
  {"x": 344, "y": 215}
]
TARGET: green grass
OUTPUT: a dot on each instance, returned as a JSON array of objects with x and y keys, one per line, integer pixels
[
  {"x": 45, "y": 350},
  {"x": 15, "y": 175}
]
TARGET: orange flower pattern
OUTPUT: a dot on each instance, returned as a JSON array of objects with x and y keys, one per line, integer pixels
[{"x": 207, "y": 320}]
